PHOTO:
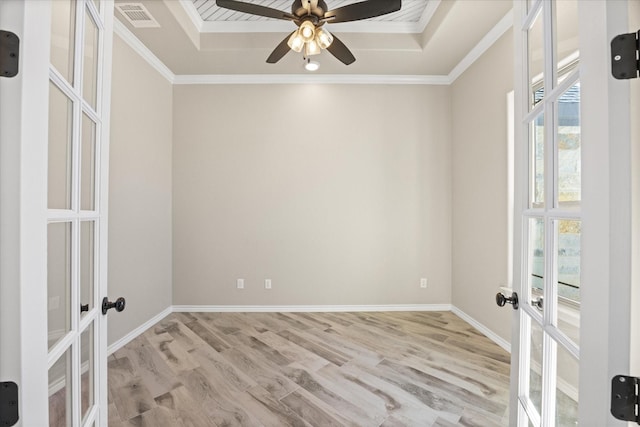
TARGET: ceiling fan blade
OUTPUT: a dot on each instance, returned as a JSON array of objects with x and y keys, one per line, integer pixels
[
  {"x": 255, "y": 9},
  {"x": 281, "y": 50},
  {"x": 340, "y": 51},
  {"x": 362, "y": 10}
]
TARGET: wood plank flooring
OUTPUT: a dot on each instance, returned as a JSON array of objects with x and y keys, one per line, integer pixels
[{"x": 309, "y": 369}]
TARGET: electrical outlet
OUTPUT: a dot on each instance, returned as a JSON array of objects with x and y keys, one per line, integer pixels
[
  {"x": 240, "y": 284},
  {"x": 267, "y": 283},
  {"x": 423, "y": 283}
]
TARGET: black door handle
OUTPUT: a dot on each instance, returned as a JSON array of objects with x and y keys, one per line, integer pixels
[
  {"x": 119, "y": 304},
  {"x": 501, "y": 300}
]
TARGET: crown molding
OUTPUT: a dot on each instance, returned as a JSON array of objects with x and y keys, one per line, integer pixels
[
  {"x": 354, "y": 79},
  {"x": 123, "y": 32},
  {"x": 376, "y": 27},
  {"x": 427, "y": 14},
  {"x": 485, "y": 43},
  {"x": 192, "y": 13}
]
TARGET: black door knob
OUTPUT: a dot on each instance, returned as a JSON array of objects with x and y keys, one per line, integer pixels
[
  {"x": 119, "y": 304},
  {"x": 501, "y": 300}
]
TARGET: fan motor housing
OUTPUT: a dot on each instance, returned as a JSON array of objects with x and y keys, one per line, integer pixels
[{"x": 299, "y": 11}]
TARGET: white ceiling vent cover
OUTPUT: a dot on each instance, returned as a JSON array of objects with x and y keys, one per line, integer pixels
[{"x": 137, "y": 15}]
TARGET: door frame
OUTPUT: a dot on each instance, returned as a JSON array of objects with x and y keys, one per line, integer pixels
[
  {"x": 606, "y": 209},
  {"x": 607, "y": 195},
  {"x": 23, "y": 220},
  {"x": 23, "y": 209}
]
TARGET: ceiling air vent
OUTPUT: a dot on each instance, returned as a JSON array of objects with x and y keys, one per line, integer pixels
[{"x": 137, "y": 15}]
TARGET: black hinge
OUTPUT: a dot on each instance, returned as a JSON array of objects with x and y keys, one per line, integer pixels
[
  {"x": 8, "y": 403},
  {"x": 625, "y": 63},
  {"x": 9, "y": 53},
  {"x": 624, "y": 398}
]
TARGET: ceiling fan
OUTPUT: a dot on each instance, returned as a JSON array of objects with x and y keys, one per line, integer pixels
[{"x": 310, "y": 17}]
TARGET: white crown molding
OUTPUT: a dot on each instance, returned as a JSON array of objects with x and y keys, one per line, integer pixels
[
  {"x": 310, "y": 79},
  {"x": 137, "y": 331},
  {"x": 307, "y": 308},
  {"x": 427, "y": 14},
  {"x": 487, "y": 41},
  {"x": 483, "y": 45},
  {"x": 192, "y": 13},
  {"x": 123, "y": 32},
  {"x": 375, "y": 27},
  {"x": 482, "y": 328}
]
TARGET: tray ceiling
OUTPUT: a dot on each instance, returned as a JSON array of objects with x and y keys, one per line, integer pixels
[
  {"x": 411, "y": 10},
  {"x": 424, "y": 38}
]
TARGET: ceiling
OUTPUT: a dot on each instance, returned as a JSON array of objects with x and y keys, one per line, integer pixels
[
  {"x": 424, "y": 38},
  {"x": 411, "y": 11}
]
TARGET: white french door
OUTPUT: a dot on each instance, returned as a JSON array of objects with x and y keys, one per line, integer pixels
[
  {"x": 61, "y": 139},
  {"x": 567, "y": 192}
]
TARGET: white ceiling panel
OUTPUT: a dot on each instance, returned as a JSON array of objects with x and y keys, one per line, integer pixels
[{"x": 411, "y": 11}]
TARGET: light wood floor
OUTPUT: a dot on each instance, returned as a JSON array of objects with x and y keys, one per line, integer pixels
[{"x": 309, "y": 369}]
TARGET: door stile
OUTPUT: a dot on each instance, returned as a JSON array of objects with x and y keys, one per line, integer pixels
[
  {"x": 607, "y": 212},
  {"x": 102, "y": 199},
  {"x": 519, "y": 328},
  {"x": 23, "y": 166}
]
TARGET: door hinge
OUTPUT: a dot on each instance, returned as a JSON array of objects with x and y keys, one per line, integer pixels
[
  {"x": 624, "y": 398},
  {"x": 8, "y": 403},
  {"x": 9, "y": 54},
  {"x": 624, "y": 56}
]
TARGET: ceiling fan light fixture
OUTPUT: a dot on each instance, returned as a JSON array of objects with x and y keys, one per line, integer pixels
[
  {"x": 323, "y": 38},
  {"x": 296, "y": 43},
  {"x": 310, "y": 65},
  {"x": 311, "y": 48},
  {"x": 307, "y": 31}
]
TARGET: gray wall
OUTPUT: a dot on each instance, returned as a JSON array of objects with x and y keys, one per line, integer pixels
[
  {"x": 480, "y": 202},
  {"x": 139, "y": 191},
  {"x": 340, "y": 194}
]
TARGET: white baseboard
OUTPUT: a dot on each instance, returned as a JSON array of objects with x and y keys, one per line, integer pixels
[
  {"x": 479, "y": 326},
  {"x": 308, "y": 308},
  {"x": 137, "y": 331}
]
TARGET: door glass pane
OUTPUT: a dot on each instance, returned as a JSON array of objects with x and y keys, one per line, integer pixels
[
  {"x": 567, "y": 389},
  {"x": 566, "y": 40},
  {"x": 569, "y": 148},
  {"x": 87, "y": 274},
  {"x": 60, "y": 133},
  {"x": 88, "y": 165},
  {"x": 535, "y": 276},
  {"x": 63, "y": 19},
  {"x": 568, "y": 273},
  {"x": 90, "y": 66},
  {"x": 535, "y": 47},
  {"x": 535, "y": 368},
  {"x": 537, "y": 153},
  {"x": 60, "y": 384},
  {"x": 58, "y": 281},
  {"x": 87, "y": 371}
]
